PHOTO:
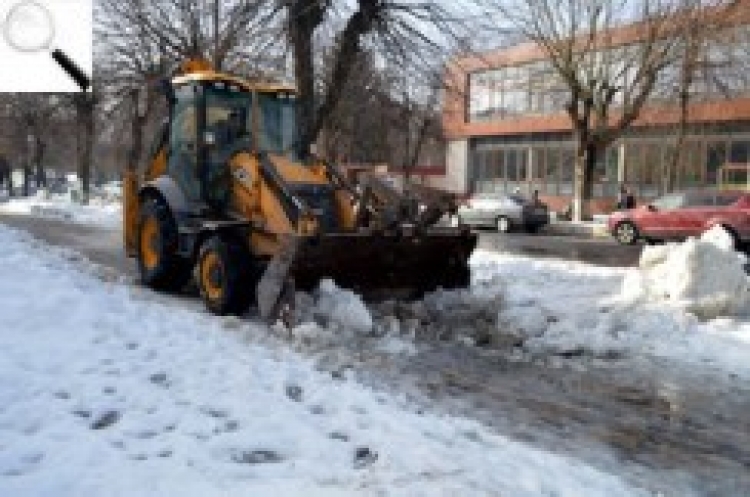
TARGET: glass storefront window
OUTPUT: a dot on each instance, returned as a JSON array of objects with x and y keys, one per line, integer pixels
[
  {"x": 739, "y": 152},
  {"x": 651, "y": 170},
  {"x": 567, "y": 170},
  {"x": 691, "y": 173},
  {"x": 511, "y": 165},
  {"x": 552, "y": 173},
  {"x": 633, "y": 161},
  {"x": 716, "y": 157}
]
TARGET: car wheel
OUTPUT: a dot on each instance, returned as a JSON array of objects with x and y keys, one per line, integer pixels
[
  {"x": 502, "y": 224},
  {"x": 626, "y": 233},
  {"x": 532, "y": 228}
]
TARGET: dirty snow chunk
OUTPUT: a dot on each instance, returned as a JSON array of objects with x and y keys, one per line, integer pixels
[
  {"x": 703, "y": 276},
  {"x": 343, "y": 307},
  {"x": 719, "y": 237}
]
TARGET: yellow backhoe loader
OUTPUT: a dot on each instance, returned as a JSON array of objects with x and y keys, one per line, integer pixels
[{"x": 224, "y": 198}]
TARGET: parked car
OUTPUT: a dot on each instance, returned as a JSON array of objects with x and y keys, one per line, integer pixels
[
  {"x": 503, "y": 212},
  {"x": 677, "y": 216}
]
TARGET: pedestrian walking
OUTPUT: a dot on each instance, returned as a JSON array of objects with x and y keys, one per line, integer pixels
[
  {"x": 622, "y": 196},
  {"x": 629, "y": 199}
]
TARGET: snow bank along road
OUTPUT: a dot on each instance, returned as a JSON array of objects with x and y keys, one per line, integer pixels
[{"x": 551, "y": 353}]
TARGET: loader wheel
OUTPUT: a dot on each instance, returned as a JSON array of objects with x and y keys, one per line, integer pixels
[
  {"x": 225, "y": 277},
  {"x": 159, "y": 265}
]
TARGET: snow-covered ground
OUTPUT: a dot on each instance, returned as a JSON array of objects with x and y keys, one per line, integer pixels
[
  {"x": 107, "y": 392},
  {"x": 686, "y": 303},
  {"x": 99, "y": 212}
]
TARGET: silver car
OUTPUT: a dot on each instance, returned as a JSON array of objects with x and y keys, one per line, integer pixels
[{"x": 503, "y": 212}]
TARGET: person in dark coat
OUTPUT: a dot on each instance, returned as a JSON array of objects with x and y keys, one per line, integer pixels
[
  {"x": 629, "y": 200},
  {"x": 622, "y": 195}
]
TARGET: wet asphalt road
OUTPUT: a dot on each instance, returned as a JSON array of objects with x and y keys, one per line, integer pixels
[
  {"x": 675, "y": 432},
  {"x": 104, "y": 246},
  {"x": 599, "y": 251}
]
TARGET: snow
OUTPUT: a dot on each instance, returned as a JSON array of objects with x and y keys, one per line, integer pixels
[
  {"x": 704, "y": 276},
  {"x": 99, "y": 212},
  {"x": 342, "y": 307},
  {"x": 686, "y": 303},
  {"x": 109, "y": 391}
]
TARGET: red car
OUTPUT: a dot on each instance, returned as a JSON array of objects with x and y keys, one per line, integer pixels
[{"x": 677, "y": 216}]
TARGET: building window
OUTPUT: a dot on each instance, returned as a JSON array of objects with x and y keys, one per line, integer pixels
[
  {"x": 538, "y": 155},
  {"x": 690, "y": 173},
  {"x": 567, "y": 170},
  {"x": 552, "y": 174},
  {"x": 633, "y": 167},
  {"x": 716, "y": 157},
  {"x": 651, "y": 170},
  {"x": 739, "y": 152}
]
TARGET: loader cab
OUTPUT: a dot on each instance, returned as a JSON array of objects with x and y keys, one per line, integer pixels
[{"x": 211, "y": 120}]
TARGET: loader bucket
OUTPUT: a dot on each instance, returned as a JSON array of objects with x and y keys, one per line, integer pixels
[
  {"x": 376, "y": 265},
  {"x": 380, "y": 266}
]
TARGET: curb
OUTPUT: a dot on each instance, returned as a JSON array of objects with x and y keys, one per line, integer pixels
[{"x": 577, "y": 229}]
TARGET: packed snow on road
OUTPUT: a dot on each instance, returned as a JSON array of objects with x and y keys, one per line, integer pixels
[
  {"x": 109, "y": 392},
  {"x": 100, "y": 211}
]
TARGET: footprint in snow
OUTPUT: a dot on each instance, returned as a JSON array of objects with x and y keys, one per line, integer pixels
[
  {"x": 20, "y": 465},
  {"x": 257, "y": 456},
  {"x": 363, "y": 457},
  {"x": 105, "y": 420}
]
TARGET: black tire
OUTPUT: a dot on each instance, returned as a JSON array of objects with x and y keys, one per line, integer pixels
[
  {"x": 626, "y": 233},
  {"x": 502, "y": 224},
  {"x": 225, "y": 276},
  {"x": 168, "y": 271},
  {"x": 532, "y": 228}
]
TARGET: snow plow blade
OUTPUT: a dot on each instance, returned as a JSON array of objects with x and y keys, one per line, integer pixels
[{"x": 377, "y": 265}]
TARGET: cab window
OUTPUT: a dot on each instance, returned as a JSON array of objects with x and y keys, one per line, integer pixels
[{"x": 183, "y": 160}]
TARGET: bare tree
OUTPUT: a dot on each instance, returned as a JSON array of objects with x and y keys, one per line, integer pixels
[
  {"x": 411, "y": 35},
  {"x": 31, "y": 116},
  {"x": 700, "y": 27},
  {"x": 607, "y": 81},
  {"x": 140, "y": 42}
]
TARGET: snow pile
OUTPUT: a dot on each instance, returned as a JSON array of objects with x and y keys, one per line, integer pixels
[
  {"x": 704, "y": 276},
  {"x": 109, "y": 392},
  {"x": 553, "y": 308},
  {"x": 99, "y": 212},
  {"x": 342, "y": 307}
]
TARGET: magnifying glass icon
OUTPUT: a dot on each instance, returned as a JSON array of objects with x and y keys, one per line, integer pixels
[{"x": 29, "y": 27}]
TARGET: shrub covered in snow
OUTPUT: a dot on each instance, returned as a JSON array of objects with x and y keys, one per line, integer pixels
[{"x": 704, "y": 276}]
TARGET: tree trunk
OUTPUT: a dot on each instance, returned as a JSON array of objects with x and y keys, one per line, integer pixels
[
  {"x": 26, "y": 179},
  {"x": 85, "y": 142},
  {"x": 302, "y": 27},
  {"x": 41, "y": 174},
  {"x": 673, "y": 165},
  {"x": 10, "y": 181},
  {"x": 583, "y": 186},
  {"x": 218, "y": 58}
]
